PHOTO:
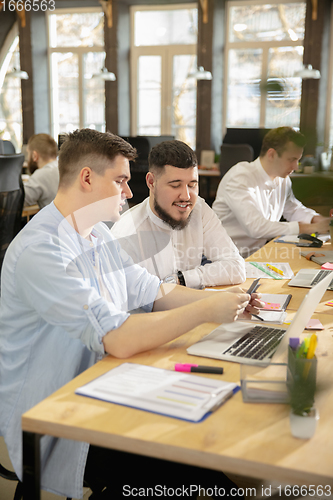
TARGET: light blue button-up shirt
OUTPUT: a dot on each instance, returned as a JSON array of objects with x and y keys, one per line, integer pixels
[{"x": 53, "y": 316}]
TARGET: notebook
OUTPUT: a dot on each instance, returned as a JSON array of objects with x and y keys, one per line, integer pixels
[
  {"x": 307, "y": 278},
  {"x": 175, "y": 394},
  {"x": 319, "y": 256},
  {"x": 243, "y": 343}
]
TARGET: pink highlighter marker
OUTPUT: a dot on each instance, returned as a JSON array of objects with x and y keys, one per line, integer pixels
[{"x": 189, "y": 367}]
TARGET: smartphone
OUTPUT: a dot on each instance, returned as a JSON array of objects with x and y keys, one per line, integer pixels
[{"x": 254, "y": 285}]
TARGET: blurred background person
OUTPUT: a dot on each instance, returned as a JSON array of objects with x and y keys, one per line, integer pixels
[{"x": 42, "y": 185}]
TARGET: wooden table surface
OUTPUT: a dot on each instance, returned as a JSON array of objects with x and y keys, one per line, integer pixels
[
  {"x": 242, "y": 438},
  {"x": 29, "y": 211},
  {"x": 279, "y": 252}
]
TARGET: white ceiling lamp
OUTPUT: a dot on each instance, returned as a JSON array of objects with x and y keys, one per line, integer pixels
[
  {"x": 201, "y": 74},
  {"x": 240, "y": 27},
  {"x": 308, "y": 72},
  {"x": 17, "y": 73},
  {"x": 105, "y": 75}
]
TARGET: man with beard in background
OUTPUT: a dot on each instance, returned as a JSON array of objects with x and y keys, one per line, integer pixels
[
  {"x": 173, "y": 232},
  {"x": 42, "y": 185}
]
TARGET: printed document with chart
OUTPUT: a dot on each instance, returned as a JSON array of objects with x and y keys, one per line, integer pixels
[{"x": 171, "y": 393}]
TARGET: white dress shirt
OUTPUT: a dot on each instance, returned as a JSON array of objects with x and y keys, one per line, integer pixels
[
  {"x": 42, "y": 185},
  {"x": 152, "y": 243},
  {"x": 250, "y": 205}
]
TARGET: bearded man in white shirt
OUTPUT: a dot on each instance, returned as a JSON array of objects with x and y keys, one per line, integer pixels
[
  {"x": 171, "y": 231},
  {"x": 252, "y": 197},
  {"x": 42, "y": 186}
]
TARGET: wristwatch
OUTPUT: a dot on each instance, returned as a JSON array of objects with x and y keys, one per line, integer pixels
[
  {"x": 172, "y": 278},
  {"x": 181, "y": 278}
]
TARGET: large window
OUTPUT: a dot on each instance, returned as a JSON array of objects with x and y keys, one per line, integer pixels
[
  {"x": 264, "y": 48},
  {"x": 163, "y": 57},
  {"x": 329, "y": 117},
  {"x": 10, "y": 92},
  {"x": 76, "y": 42}
]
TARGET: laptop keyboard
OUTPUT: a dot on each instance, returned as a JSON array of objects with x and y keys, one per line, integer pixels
[
  {"x": 258, "y": 343},
  {"x": 320, "y": 276}
]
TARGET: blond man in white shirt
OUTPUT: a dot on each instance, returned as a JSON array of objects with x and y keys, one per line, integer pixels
[
  {"x": 169, "y": 232},
  {"x": 252, "y": 197}
]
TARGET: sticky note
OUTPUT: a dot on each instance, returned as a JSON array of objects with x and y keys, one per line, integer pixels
[
  {"x": 314, "y": 324},
  {"x": 272, "y": 306},
  {"x": 329, "y": 303},
  {"x": 328, "y": 266}
]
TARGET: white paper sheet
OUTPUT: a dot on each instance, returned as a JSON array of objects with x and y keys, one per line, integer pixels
[{"x": 260, "y": 270}]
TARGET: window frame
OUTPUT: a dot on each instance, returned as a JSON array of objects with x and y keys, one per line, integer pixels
[
  {"x": 328, "y": 135},
  {"x": 80, "y": 51},
  {"x": 263, "y": 45},
  {"x": 167, "y": 52}
]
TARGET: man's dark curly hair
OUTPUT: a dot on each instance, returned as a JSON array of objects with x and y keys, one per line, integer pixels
[{"x": 174, "y": 153}]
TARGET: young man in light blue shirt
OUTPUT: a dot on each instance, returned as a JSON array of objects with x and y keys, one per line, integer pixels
[{"x": 67, "y": 289}]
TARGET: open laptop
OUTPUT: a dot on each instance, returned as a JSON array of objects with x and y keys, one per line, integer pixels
[
  {"x": 242, "y": 342},
  {"x": 307, "y": 278}
]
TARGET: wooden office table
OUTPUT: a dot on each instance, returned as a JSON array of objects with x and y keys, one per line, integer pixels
[
  {"x": 29, "y": 211},
  {"x": 279, "y": 252},
  {"x": 242, "y": 438}
]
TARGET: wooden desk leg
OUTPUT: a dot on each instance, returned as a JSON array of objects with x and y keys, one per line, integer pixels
[{"x": 31, "y": 466}]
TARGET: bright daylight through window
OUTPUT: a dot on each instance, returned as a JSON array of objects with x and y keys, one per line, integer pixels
[
  {"x": 163, "y": 56},
  {"x": 264, "y": 50},
  {"x": 76, "y": 45},
  {"x": 10, "y": 96}
]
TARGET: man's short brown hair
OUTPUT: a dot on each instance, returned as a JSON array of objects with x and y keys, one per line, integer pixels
[
  {"x": 44, "y": 144},
  {"x": 278, "y": 138},
  {"x": 90, "y": 148}
]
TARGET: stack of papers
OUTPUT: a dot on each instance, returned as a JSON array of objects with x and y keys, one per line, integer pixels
[
  {"x": 264, "y": 270},
  {"x": 170, "y": 393}
]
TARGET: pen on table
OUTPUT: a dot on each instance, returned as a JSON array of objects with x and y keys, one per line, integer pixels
[
  {"x": 258, "y": 317},
  {"x": 275, "y": 269},
  {"x": 189, "y": 367}
]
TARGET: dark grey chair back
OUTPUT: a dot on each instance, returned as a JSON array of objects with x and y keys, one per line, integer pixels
[
  {"x": 11, "y": 199},
  {"x": 6, "y": 148},
  {"x": 232, "y": 154},
  {"x": 139, "y": 169}
]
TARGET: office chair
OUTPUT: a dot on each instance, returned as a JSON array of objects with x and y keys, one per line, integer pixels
[
  {"x": 232, "y": 154},
  {"x": 139, "y": 169},
  {"x": 11, "y": 476},
  {"x": 6, "y": 148},
  {"x": 11, "y": 200}
]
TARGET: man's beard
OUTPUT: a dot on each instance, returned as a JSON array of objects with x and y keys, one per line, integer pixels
[
  {"x": 173, "y": 223},
  {"x": 32, "y": 166}
]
